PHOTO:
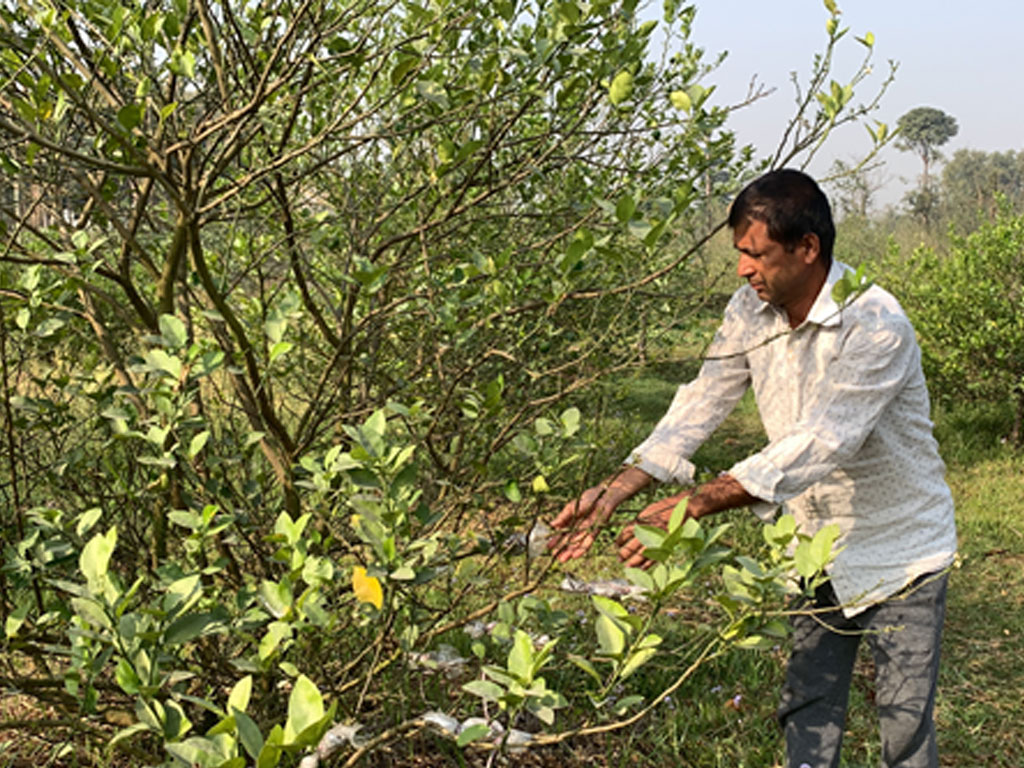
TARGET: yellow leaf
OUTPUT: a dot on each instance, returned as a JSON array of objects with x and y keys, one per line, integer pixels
[
  {"x": 680, "y": 100},
  {"x": 367, "y": 588}
]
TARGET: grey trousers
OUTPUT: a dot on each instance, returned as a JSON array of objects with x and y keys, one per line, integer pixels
[{"x": 904, "y": 633}]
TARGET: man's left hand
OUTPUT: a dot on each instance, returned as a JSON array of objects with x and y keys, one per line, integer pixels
[{"x": 631, "y": 550}]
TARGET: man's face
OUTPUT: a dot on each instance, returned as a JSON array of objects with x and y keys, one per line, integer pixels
[{"x": 778, "y": 275}]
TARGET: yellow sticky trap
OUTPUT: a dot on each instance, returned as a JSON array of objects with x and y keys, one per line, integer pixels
[{"x": 367, "y": 588}]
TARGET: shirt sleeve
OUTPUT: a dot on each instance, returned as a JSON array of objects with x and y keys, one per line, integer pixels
[
  {"x": 869, "y": 372},
  {"x": 698, "y": 407}
]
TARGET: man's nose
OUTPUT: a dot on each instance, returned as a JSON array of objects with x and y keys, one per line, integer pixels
[{"x": 745, "y": 266}]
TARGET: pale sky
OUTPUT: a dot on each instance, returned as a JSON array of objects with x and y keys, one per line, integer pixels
[{"x": 966, "y": 59}]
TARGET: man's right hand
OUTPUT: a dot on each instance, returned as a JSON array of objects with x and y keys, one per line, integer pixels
[{"x": 581, "y": 518}]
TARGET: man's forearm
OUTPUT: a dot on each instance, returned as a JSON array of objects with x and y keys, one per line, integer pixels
[
  {"x": 724, "y": 492},
  {"x": 624, "y": 484}
]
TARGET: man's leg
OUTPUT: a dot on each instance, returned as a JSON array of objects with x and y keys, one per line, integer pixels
[
  {"x": 905, "y": 633},
  {"x": 812, "y": 711}
]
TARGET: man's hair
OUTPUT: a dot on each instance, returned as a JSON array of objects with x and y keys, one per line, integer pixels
[{"x": 791, "y": 205}]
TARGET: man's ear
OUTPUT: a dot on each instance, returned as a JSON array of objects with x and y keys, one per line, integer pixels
[{"x": 811, "y": 246}]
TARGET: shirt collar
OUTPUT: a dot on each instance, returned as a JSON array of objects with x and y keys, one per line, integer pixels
[{"x": 825, "y": 311}]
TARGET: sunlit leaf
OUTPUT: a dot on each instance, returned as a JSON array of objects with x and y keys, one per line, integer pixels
[
  {"x": 485, "y": 689},
  {"x": 621, "y": 87},
  {"x": 681, "y": 100},
  {"x": 520, "y": 657},
  {"x": 305, "y": 708},
  {"x": 610, "y": 636},
  {"x": 95, "y": 557}
]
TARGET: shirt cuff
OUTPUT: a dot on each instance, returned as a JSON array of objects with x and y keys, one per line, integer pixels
[
  {"x": 765, "y": 510},
  {"x": 663, "y": 465},
  {"x": 760, "y": 478}
]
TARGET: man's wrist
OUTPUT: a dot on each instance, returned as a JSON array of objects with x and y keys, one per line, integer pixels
[
  {"x": 623, "y": 485},
  {"x": 724, "y": 492}
]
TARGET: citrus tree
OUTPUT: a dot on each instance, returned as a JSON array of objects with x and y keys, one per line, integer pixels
[
  {"x": 967, "y": 307},
  {"x": 298, "y": 304}
]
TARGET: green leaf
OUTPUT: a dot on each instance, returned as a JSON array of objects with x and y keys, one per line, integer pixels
[
  {"x": 821, "y": 544},
  {"x": 804, "y": 560},
  {"x": 127, "y": 733},
  {"x": 635, "y": 660},
  {"x": 183, "y": 593},
  {"x": 88, "y": 519},
  {"x": 520, "y": 658},
  {"x": 570, "y": 419},
  {"x": 610, "y": 636},
  {"x": 512, "y": 492},
  {"x": 175, "y": 723},
  {"x": 623, "y": 705},
  {"x": 248, "y": 733},
  {"x": 305, "y": 708},
  {"x": 95, "y": 557},
  {"x": 756, "y": 643},
  {"x": 780, "y": 533},
  {"x": 830, "y": 6},
  {"x": 49, "y": 326},
  {"x": 586, "y": 666},
  {"x": 649, "y": 536},
  {"x": 625, "y": 208},
  {"x": 125, "y": 675},
  {"x": 403, "y": 573},
  {"x": 182, "y": 63},
  {"x": 621, "y": 87},
  {"x": 193, "y": 625},
  {"x": 867, "y": 40},
  {"x": 276, "y": 632},
  {"x": 403, "y": 68},
  {"x": 610, "y": 608},
  {"x": 158, "y": 360},
  {"x": 197, "y": 443},
  {"x": 678, "y": 514},
  {"x": 197, "y": 752},
  {"x": 270, "y": 754},
  {"x": 16, "y": 619},
  {"x": 282, "y": 347},
  {"x": 276, "y": 597},
  {"x": 641, "y": 578},
  {"x": 433, "y": 91},
  {"x": 91, "y": 611},
  {"x": 471, "y": 734},
  {"x": 485, "y": 689},
  {"x": 173, "y": 332}
]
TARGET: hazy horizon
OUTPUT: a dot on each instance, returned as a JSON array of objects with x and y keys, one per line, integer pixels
[{"x": 962, "y": 63}]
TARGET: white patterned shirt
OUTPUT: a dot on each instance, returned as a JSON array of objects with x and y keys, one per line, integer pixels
[{"x": 845, "y": 407}]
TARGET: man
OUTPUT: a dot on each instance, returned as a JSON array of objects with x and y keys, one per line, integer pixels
[{"x": 844, "y": 403}]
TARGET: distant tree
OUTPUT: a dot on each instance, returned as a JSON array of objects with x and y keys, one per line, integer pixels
[
  {"x": 923, "y": 130},
  {"x": 853, "y": 188},
  {"x": 973, "y": 181}
]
